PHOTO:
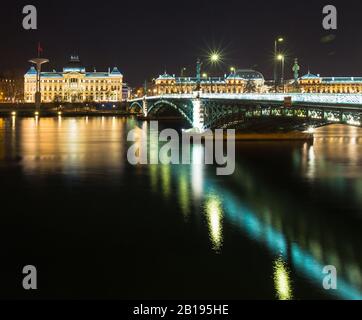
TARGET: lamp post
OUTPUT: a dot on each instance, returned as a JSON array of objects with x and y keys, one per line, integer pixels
[
  {"x": 282, "y": 59},
  {"x": 214, "y": 58},
  {"x": 182, "y": 72},
  {"x": 276, "y": 42},
  {"x": 38, "y": 62}
]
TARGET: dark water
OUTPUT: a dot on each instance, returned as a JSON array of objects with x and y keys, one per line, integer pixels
[{"x": 97, "y": 227}]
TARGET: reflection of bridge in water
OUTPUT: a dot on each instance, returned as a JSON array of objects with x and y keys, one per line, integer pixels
[
  {"x": 293, "y": 111},
  {"x": 295, "y": 236}
]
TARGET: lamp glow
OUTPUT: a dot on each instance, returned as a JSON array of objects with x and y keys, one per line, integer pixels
[{"x": 215, "y": 57}]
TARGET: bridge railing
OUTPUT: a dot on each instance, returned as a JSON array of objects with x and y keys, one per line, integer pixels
[{"x": 329, "y": 98}]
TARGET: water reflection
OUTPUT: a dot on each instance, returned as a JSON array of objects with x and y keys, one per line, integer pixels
[
  {"x": 279, "y": 207},
  {"x": 70, "y": 145},
  {"x": 286, "y": 227},
  {"x": 282, "y": 280},
  {"x": 214, "y": 215}
]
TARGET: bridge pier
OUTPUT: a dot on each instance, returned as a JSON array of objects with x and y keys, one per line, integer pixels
[
  {"x": 145, "y": 107},
  {"x": 198, "y": 119}
]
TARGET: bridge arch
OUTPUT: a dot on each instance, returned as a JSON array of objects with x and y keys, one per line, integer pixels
[
  {"x": 184, "y": 110},
  {"x": 136, "y": 106}
]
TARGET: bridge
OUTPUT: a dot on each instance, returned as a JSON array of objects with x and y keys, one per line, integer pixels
[{"x": 294, "y": 111}]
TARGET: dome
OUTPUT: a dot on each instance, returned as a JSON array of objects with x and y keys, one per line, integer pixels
[
  {"x": 166, "y": 76},
  {"x": 115, "y": 72},
  {"x": 249, "y": 74},
  {"x": 310, "y": 76},
  {"x": 31, "y": 71},
  {"x": 74, "y": 65}
]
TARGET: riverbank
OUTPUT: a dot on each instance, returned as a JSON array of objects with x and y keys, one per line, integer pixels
[
  {"x": 275, "y": 136},
  {"x": 63, "y": 113}
]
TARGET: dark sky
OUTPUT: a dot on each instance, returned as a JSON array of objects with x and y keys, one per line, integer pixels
[{"x": 145, "y": 38}]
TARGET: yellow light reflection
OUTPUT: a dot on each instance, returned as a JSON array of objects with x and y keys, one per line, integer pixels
[
  {"x": 282, "y": 280},
  {"x": 184, "y": 196},
  {"x": 214, "y": 215},
  {"x": 166, "y": 180}
]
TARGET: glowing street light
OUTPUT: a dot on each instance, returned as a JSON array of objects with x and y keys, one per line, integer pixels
[
  {"x": 38, "y": 62},
  {"x": 215, "y": 57},
  {"x": 232, "y": 69},
  {"x": 275, "y": 58},
  {"x": 204, "y": 75},
  {"x": 281, "y": 58}
]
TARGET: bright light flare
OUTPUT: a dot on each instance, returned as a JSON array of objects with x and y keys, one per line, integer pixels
[
  {"x": 282, "y": 281},
  {"x": 215, "y": 57}
]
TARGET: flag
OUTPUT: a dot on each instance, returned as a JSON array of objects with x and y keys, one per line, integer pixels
[{"x": 40, "y": 49}]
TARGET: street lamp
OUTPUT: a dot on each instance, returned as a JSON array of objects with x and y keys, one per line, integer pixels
[
  {"x": 232, "y": 70},
  {"x": 182, "y": 72},
  {"x": 38, "y": 62},
  {"x": 276, "y": 42},
  {"x": 282, "y": 59},
  {"x": 215, "y": 57}
]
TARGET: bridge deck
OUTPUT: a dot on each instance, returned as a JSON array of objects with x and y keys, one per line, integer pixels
[{"x": 305, "y": 98}]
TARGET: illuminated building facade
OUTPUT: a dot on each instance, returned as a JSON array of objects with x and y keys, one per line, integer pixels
[
  {"x": 311, "y": 83},
  {"x": 11, "y": 89},
  {"x": 237, "y": 82},
  {"x": 75, "y": 84}
]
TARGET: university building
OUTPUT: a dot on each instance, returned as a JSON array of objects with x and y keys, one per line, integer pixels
[
  {"x": 75, "y": 84},
  {"x": 311, "y": 83},
  {"x": 239, "y": 81}
]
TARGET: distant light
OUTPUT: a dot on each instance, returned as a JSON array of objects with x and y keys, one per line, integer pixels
[
  {"x": 311, "y": 130},
  {"x": 13, "y": 113},
  {"x": 59, "y": 113},
  {"x": 232, "y": 69},
  {"x": 280, "y": 57},
  {"x": 204, "y": 75},
  {"x": 215, "y": 57},
  {"x": 36, "y": 113},
  {"x": 280, "y": 39}
]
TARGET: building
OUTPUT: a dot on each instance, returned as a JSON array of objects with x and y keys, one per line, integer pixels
[
  {"x": 237, "y": 82},
  {"x": 126, "y": 92},
  {"x": 75, "y": 84},
  {"x": 311, "y": 83},
  {"x": 11, "y": 89}
]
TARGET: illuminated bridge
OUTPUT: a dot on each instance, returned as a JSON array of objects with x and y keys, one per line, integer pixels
[{"x": 295, "y": 111}]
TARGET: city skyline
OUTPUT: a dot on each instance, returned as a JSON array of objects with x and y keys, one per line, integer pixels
[{"x": 130, "y": 37}]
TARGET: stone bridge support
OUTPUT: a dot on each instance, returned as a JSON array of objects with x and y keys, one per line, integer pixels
[
  {"x": 198, "y": 117},
  {"x": 145, "y": 107}
]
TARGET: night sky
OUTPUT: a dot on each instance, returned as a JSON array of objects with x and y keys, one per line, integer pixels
[{"x": 146, "y": 38}]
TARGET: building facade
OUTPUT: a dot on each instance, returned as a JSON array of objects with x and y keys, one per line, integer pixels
[
  {"x": 237, "y": 82},
  {"x": 75, "y": 84},
  {"x": 311, "y": 83},
  {"x": 11, "y": 89}
]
